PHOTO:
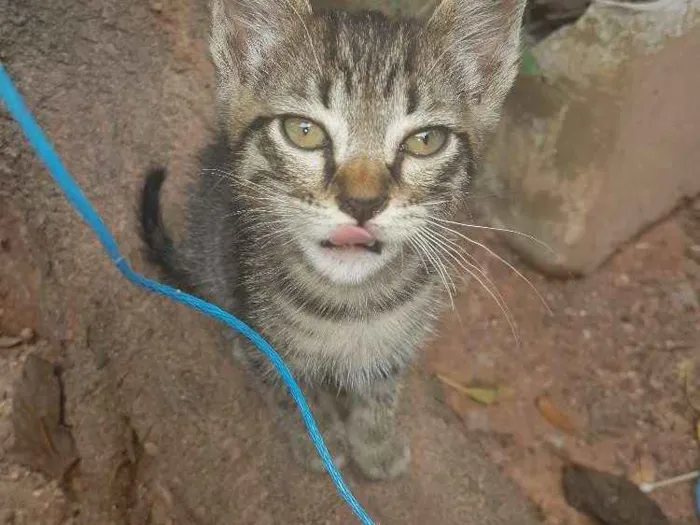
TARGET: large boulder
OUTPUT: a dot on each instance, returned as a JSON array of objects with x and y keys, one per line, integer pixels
[{"x": 602, "y": 141}]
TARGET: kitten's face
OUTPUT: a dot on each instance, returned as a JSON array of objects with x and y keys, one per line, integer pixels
[{"x": 363, "y": 133}]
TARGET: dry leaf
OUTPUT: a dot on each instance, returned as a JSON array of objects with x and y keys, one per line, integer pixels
[
  {"x": 645, "y": 471},
  {"x": 685, "y": 369},
  {"x": 485, "y": 396},
  {"x": 41, "y": 440},
  {"x": 556, "y": 417},
  {"x": 612, "y": 500},
  {"x": 697, "y": 430}
]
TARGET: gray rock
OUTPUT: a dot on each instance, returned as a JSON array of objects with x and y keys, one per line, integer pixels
[{"x": 603, "y": 142}]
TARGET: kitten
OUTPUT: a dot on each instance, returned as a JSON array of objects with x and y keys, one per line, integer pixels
[{"x": 344, "y": 139}]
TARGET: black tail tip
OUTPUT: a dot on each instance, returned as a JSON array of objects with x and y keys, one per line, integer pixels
[
  {"x": 155, "y": 176},
  {"x": 151, "y": 222}
]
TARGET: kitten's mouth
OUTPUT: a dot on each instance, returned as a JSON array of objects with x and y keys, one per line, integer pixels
[{"x": 352, "y": 238}]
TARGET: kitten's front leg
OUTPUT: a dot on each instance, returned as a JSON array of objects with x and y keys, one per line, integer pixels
[
  {"x": 379, "y": 452},
  {"x": 331, "y": 426},
  {"x": 282, "y": 406}
]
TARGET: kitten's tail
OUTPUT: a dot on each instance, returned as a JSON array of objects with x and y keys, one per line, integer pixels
[{"x": 160, "y": 248}]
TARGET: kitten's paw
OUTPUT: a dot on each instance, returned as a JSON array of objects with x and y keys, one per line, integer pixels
[
  {"x": 382, "y": 461},
  {"x": 305, "y": 452}
]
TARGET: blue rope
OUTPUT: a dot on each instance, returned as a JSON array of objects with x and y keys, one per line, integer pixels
[{"x": 71, "y": 190}]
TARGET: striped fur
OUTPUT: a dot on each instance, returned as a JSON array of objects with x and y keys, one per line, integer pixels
[{"x": 347, "y": 325}]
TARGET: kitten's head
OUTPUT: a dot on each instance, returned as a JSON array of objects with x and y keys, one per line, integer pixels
[{"x": 353, "y": 132}]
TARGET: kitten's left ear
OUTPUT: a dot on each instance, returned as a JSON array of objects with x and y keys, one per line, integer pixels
[{"x": 482, "y": 40}]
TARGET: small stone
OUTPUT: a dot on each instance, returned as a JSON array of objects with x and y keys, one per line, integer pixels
[
  {"x": 693, "y": 252},
  {"x": 151, "y": 449},
  {"x": 628, "y": 328},
  {"x": 642, "y": 246},
  {"x": 477, "y": 420},
  {"x": 622, "y": 280},
  {"x": 670, "y": 344},
  {"x": 156, "y": 7},
  {"x": 684, "y": 298},
  {"x": 27, "y": 334},
  {"x": 587, "y": 334},
  {"x": 556, "y": 441}
]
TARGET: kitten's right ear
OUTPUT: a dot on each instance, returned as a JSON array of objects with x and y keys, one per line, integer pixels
[
  {"x": 481, "y": 40},
  {"x": 243, "y": 31}
]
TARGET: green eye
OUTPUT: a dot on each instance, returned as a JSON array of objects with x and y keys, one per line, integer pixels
[
  {"x": 304, "y": 133},
  {"x": 426, "y": 142}
]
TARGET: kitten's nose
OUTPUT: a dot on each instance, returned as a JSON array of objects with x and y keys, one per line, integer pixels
[
  {"x": 362, "y": 210},
  {"x": 362, "y": 188}
]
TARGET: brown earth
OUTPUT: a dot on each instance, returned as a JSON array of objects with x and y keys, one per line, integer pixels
[{"x": 166, "y": 429}]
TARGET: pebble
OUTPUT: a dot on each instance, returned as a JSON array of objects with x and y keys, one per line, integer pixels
[
  {"x": 477, "y": 420},
  {"x": 685, "y": 298},
  {"x": 623, "y": 280},
  {"x": 27, "y": 334},
  {"x": 694, "y": 252}
]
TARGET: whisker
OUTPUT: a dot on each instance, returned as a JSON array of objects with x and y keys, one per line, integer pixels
[
  {"x": 435, "y": 261},
  {"x": 499, "y": 258},
  {"x": 420, "y": 249},
  {"x": 475, "y": 271},
  {"x": 496, "y": 229}
]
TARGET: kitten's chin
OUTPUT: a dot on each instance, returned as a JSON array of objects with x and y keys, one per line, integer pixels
[{"x": 346, "y": 265}]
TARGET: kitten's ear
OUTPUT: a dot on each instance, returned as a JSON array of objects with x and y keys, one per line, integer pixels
[
  {"x": 483, "y": 43},
  {"x": 242, "y": 31}
]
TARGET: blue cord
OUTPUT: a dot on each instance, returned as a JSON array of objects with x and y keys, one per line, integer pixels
[{"x": 71, "y": 190}]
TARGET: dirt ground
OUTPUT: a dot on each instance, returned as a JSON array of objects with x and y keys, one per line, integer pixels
[
  {"x": 615, "y": 356},
  {"x": 618, "y": 356},
  {"x": 611, "y": 357}
]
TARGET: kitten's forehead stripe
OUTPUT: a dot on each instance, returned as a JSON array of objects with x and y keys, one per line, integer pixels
[
  {"x": 325, "y": 92},
  {"x": 390, "y": 80},
  {"x": 412, "y": 98}
]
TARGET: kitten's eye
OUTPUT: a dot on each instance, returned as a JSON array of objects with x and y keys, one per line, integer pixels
[
  {"x": 304, "y": 133},
  {"x": 426, "y": 142}
]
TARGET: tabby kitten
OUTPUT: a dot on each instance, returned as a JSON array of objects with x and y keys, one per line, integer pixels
[{"x": 343, "y": 140}]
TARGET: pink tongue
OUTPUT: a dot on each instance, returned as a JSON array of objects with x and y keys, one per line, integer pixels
[{"x": 346, "y": 235}]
